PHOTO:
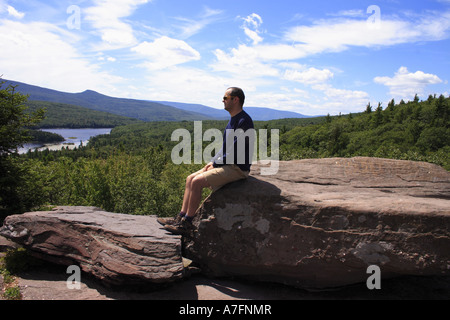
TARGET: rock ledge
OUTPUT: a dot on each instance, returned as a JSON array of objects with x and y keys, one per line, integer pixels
[
  {"x": 320, "y": 223},
  {"x": 116, "y": 248}
]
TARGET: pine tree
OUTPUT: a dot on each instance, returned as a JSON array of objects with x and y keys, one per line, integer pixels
[{"x": 14, "y": 120}]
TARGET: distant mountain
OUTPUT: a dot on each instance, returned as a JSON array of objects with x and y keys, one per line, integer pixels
[
  {"x": 142, "y": 109},
  {"x": 257, "y": 113},
  {"x": 138, "y": 109},
  {"x": 219, "y": 114},
  {"x": 265, "y": 114}
]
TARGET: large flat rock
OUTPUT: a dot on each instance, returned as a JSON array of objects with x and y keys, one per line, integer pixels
[
  {"x": 320, "y": 223},
  {"x": 116, "y": 248}
]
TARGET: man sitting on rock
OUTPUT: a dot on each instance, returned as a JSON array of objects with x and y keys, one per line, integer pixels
[{"x": 232, "y": 163}]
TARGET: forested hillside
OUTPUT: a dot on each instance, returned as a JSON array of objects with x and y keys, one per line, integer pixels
[
  {"x": 61, "y": 115},
  {"x": 413, "y": 131}
]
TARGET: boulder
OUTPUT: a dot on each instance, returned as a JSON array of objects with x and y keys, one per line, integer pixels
[
  {"x": 321, "y": 223},
  {"x": 118, "y": 249}
]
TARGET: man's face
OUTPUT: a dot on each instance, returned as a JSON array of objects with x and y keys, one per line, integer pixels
[{"x": 229, "y": 101}]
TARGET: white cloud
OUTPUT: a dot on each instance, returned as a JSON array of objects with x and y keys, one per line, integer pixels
[
  {"x": 355, "y": 13},
  {"x": 106, "y": 16},
  {"x": 333, "y": 100},
  {"x": 14, "y": 13},
  {"x": 189, "y": 27},
  {"x": 337, "y": 35},
  {"x": 308, "y": 76},
  {"x": 184, "y": 84},
  {"x": 343, "y": 94},
  {"x": 56, "y": 65},
  {"x": 166, "y": 52},
  {"x": 244, "y": 61},
  {"x": 404, "y": 84},
  {"x": 251, "y": 27}
]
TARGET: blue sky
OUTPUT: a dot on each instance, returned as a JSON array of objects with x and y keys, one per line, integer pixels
[{"x": 312, "y": 57}]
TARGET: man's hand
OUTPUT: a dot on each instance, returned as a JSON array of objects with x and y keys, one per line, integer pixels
[{"x": 209, "y": 166}]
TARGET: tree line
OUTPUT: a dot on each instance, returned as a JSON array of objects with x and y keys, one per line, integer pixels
[{"x": 416, "y": 130}]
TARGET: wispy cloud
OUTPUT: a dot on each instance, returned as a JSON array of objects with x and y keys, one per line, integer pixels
[
  {"x": 14, "y": 13},
  {"x": 190, "y": 26},
  {"x": 341, "y": 34},
  {"x": 251, "y": 27},
  {"x": 107, "y": 18},
  {"x": 165, "y": 52},
  {"x": 307, "y": 75}
]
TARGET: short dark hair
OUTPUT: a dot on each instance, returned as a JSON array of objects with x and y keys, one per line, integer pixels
[{"x": 238, "y": 92}]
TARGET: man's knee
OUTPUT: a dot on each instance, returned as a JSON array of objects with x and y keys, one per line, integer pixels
[
  {"x": 190, "y": 178},
  {"x": 199, "y": 182}
]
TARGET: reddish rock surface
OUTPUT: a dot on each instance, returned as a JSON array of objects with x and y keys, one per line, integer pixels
[
  {"x": 320, "y": 223},
  {"x": 116, "y": 248}
]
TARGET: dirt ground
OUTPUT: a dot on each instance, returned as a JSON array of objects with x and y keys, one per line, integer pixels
[{"x": 49, "y": 283}]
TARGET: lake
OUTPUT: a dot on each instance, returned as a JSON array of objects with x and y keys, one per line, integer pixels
[{"x": 73, "y": 138}]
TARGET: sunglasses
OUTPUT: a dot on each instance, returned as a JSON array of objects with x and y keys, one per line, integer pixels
[{"x": 226, "y": 98}]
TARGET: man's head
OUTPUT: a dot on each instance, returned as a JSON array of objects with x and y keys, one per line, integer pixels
[{"x": 233, "y": 100}]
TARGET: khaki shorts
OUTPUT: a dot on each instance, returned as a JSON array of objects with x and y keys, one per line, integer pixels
[{"x": 218, "y": 177}]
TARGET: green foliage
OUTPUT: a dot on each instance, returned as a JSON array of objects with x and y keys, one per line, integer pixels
[
  {"x": 144, "y": 183},
  {"x": 38, "y": 136},
  {"x": 13, "y": 119},
  {"x": 413, "y": 131},
  {"x": 12, "y": 293}
]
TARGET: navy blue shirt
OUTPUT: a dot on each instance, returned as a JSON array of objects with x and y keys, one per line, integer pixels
[{"x": 241, "y": 145}]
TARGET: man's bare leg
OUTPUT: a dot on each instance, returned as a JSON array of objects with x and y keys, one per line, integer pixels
[
  {"x": 187, "y": 188},
  {"x": 195, "y": 194},
  {"x": 191, "y": 201},
  {"x": 185, "y": 205}
]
